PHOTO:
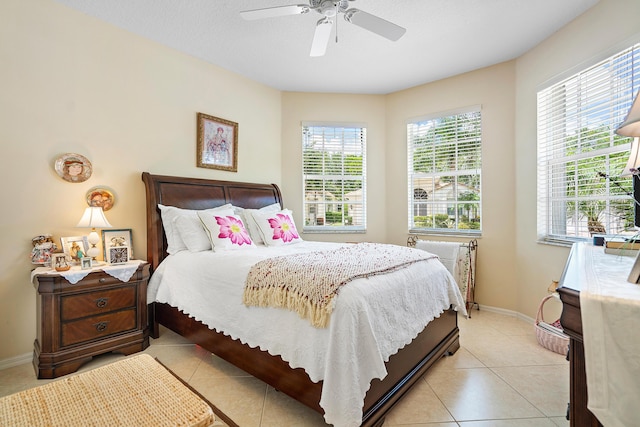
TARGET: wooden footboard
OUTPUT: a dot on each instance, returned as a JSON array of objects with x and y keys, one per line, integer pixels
[{"x": 404, "y": 368}]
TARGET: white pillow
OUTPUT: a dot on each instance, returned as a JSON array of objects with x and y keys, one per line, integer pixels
[
  {"x": 169, "y": 214},
  {"x": 250, "y": 223},
  {"x": 277, "y": 228},
  {"x": 192, "y": 233},
  {"x": 226, "y": 230}
]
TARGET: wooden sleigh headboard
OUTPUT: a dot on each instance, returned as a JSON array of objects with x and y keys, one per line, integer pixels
[{"x": 195, "y": 193}]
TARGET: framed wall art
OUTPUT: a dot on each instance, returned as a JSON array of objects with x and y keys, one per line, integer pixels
[
  {"x": 75, "y": 247},
  {"x": 116, "y": 239},
  {"x": 217, "y": 144}
]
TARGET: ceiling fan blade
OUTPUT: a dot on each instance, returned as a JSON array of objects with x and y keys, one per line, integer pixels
[
  {"x": 374, "y": 24},
  {"x": 273, "y": 12},
  {"x": 321, "y": 37}
]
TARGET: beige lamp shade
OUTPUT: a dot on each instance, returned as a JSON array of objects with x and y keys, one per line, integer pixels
[{"x": 93, "y": 218}]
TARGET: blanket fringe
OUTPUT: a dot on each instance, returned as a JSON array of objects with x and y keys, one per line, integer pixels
[{"x": 318, "y": 314}]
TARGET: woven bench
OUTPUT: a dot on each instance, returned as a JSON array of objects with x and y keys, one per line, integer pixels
[{"x": 137, "y": 391}]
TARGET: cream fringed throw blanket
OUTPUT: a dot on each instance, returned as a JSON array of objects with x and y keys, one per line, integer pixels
[{"x": 307, "y": 283}]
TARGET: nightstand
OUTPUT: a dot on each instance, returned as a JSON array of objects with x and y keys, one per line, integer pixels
[{"x": 98, "y": 314}]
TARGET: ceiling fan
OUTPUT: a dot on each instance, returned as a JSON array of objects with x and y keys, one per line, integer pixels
[{"x": 329, "y": 9}]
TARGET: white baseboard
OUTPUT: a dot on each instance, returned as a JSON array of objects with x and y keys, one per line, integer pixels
[
  {"x": 15, "y": 361},
  {"x": 504, "y": 312}
]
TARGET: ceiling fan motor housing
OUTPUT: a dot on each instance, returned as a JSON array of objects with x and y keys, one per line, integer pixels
[{"x": 329, "y": 8}]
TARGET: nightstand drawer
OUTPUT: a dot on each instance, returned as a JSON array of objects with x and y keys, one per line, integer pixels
[
  {"x": 97, "y": 326},
  {"x": 89, "y": 304},
  {"x": 100, "y": 278}
]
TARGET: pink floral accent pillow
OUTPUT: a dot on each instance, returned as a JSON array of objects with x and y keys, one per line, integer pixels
[
  {"x": 277, "y": 228},
  {"x": 226, "y": 231},
  {"x": 175, "y": 240}
]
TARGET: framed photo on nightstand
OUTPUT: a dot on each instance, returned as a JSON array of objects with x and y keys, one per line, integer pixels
[
  {"x": 60, "y": 262},
  {"x": 75, "y": 247},
  {"x": 118, "y": 255},
  {"x": 116, "y": 239},
  {"x": 85, "y": 263}
]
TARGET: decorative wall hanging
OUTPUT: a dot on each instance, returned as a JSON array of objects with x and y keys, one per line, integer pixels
[
  {"x": 217, "y": 143},
  {"x": 100, "y": 197},
  {"x": 73, "y": 167}
]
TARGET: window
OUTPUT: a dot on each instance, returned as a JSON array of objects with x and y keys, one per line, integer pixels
[
  {"x": 334, "y": 174},
  {"x": 578, "y": 148},
  {"x": 444, "y": 164}
]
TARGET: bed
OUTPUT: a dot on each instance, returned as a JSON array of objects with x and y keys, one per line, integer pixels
[{"x": 403, "y": 369}]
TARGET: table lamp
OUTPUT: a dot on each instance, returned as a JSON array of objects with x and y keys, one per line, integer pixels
[
  {"x": 93, "y": 218},
  {"x": 631, "y": 127}
]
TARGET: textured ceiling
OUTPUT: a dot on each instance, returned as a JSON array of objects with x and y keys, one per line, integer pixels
[{"x": 443, "y": 38}]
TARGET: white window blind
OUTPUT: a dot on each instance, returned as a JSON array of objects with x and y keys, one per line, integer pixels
[
  {"x": 577, "y": 145},
  {"x": 334, "y": 177},
  {"x": 444, "y": 171}
]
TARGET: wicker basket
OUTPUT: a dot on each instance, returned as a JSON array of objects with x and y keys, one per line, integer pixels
[{"x": 550, "y": 336}]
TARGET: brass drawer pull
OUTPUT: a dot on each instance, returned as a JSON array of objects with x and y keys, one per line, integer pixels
[
  {"x": 102, "y": 302},
  {"x": 101, "y": 326}
]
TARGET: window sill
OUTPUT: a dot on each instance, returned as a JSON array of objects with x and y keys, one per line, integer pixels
[{"x": 457, "y": 233}]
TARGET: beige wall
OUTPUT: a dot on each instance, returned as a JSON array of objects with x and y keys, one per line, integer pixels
[
  {"x": 608, "y": 27},
  {"x": 493, "y": 89},
  {"x": 71, "y": 83}
]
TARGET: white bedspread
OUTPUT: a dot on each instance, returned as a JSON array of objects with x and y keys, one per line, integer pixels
[{"x": 373, "y": 317}]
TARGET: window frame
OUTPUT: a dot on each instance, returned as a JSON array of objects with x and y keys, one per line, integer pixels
[
  {"x": 339, "y": 204},
  {"x": 455, "y": 175},
  {"x": 570, "y": 102}
]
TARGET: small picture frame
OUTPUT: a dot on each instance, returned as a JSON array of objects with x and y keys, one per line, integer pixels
[
  {"x": 85, "y": 263},
  {"x": 116, "y": 238},
  {"x": 75, "y": 246},
  {"x": 217, "y": 144},
  {"x": 60, "y": 261},
  {"x": 118, "y": 255}
]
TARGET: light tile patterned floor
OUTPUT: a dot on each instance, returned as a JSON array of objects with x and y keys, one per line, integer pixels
[{"x": 500, "y": 377}]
